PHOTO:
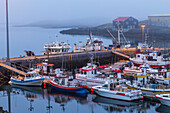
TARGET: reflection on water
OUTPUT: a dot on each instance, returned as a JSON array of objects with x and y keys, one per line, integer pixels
[{"x": 21, "y": 99}]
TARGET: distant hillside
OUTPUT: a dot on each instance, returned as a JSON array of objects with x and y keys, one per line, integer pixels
[{"x": 154, "y": 32}]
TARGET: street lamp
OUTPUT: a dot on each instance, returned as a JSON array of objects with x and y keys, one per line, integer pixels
[
  {"x": 143, "y": 27},
  {"x": 7, "y": 32}
]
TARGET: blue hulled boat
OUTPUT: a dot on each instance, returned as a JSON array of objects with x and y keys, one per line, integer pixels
[{"x": 63, "y": 83}]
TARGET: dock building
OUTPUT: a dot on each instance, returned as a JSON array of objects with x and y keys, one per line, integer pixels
[
  {"x": 125, "y": 23},
  {"x": 159, "y": 20}
]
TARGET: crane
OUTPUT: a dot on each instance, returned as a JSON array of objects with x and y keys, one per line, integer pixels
[{"x": 114, "y": 39}]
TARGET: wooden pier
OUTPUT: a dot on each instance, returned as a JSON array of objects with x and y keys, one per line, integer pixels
[
  {"x": 120, "y": 54},
  {"x": 12, "y": 69}
]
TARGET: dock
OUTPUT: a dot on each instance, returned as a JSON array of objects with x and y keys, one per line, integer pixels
[
  {"x": 69, "y": 61},
  {"x": 121, "y": 54},
  {"x": 12, "y": 69}
]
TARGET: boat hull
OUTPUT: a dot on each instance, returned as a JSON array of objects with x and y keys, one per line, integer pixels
[
  {"x": 118, "y": 96},
  {"x": 35, "y": 82},
  {"x": 84, "y": 78},
  {"x": 79, "y": 89},
  {"x": 148, "y": 89}
]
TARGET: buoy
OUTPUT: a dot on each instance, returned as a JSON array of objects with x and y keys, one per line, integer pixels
[{"x": 44, "y": 84}]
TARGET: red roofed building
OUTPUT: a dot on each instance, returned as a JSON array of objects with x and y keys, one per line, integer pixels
[{"x": 125, "y": 23}]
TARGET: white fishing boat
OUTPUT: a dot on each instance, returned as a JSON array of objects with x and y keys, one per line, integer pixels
[
  {"x": 155, "y": 59},
  {"x": 56, "y": 48},
  {"x": 164, "y": 99},
  {"x": 90, "y": 73},
  {"x": 114, "y": 91},
  {"x": 29, "y": 79}
]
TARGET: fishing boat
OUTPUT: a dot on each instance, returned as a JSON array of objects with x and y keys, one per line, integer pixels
[
  {"x": 66, "y": 84},
  {"x": 92, "y": 44},
  {"x": 91, "y": 73},
  {"x": 134, "y": 69},
  {"x": 29, "y": 79},
  {"x": 154, "y": 58},
  {"x": 164, "y": 99},
  {"x": 56, "y": 48},
  {"x": 45, "y": 68},
  {"x": 146, "y": 82},
  {"x": 112, "y": 90}
]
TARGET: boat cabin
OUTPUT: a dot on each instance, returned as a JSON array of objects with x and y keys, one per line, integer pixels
[
  {"x": 89, "y": 70},
  {"x": 44, "y": 68},
  {"x": 27, "y": 76},
  {"x": 64, "y": 80},
  {"x": 56, "y": 48}
]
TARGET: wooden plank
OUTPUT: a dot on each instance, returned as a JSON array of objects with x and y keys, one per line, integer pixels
[
  {"x": 123, "y": 55},
  {"x": 12, "y": 69}
]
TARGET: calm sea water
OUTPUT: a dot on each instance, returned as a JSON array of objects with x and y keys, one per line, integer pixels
[
  {"x": 20, "y": 99},
  {"x": 34, "y": 38}
]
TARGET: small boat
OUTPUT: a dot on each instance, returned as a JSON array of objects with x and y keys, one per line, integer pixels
[
  {"x": 112, "y": 90},
  {"x": 164, "y": 99},
  {"x": 66, "y": 84},
  {"x": 29, "y": 79}
]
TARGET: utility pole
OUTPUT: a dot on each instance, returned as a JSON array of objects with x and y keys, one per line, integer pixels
[{"x": 7, "y": 32}]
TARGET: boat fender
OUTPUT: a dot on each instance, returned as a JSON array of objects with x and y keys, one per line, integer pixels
[{"x": 115, "y": 76}]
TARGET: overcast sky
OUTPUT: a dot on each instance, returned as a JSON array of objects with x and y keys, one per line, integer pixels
[{"x": 28, "y": 11}]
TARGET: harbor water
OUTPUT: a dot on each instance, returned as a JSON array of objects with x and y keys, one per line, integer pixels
[{"x": 21, "y": 99}]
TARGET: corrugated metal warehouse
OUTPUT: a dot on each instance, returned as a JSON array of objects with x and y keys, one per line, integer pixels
[{"x": 160, "y": 20}]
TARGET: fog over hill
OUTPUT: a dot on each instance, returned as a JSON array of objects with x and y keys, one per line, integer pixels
[{"x": 85, "y": 22}]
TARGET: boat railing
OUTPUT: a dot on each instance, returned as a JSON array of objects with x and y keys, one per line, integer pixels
[{"x": 155, "y": 86}]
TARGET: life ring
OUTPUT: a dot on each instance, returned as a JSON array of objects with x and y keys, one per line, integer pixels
[{"x": 115, "y": 76}]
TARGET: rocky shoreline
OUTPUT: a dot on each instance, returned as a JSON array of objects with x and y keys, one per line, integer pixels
[{"x": 154, "y": 33}]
